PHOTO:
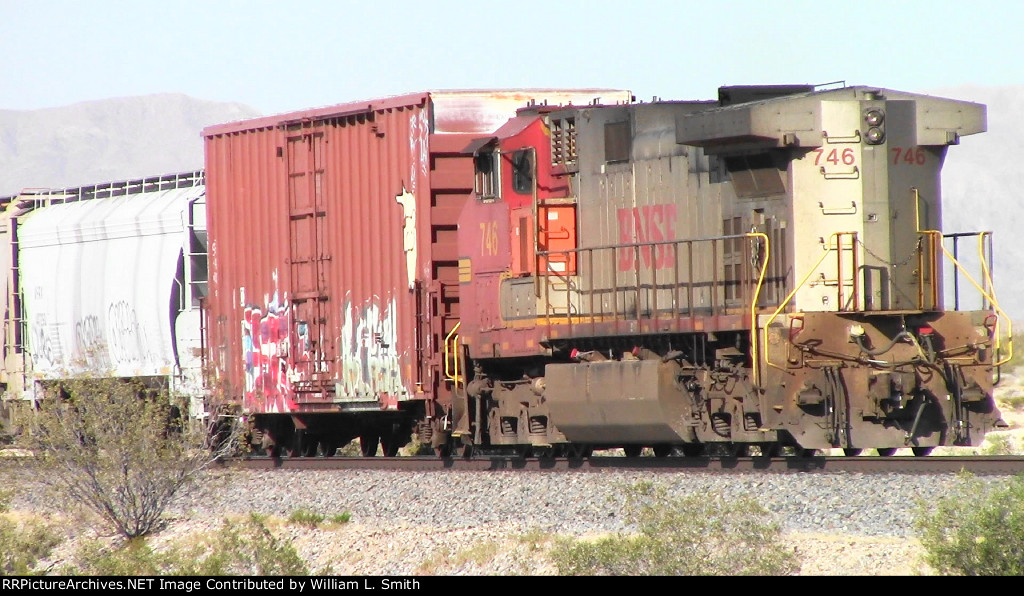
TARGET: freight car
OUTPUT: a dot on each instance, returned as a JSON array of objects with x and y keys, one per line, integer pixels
[
  {"x": 334, "y": 268},
  {"x": 104, "y": 279}
]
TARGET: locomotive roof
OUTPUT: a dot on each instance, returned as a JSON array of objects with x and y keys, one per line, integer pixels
[{"x": 795, "y": 120}]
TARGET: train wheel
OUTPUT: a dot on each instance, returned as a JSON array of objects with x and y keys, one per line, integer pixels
[
  {"x": 632, "y": 450},
  {"x": 310, "y": 446},
  {"x": 693, "y": 449},
  {"x": 851, "y": 451},
  {"x": 577, "y": 451},
  {"x": 801, "y": 452},
  {"x": 546, "y": 453},
  {"x": 662, "y": 450},
  {"x": 921, "y": 451},
  {"x": 325, "y": 448},
  {"x": 390, "y": 444},
  {"x": 770, "y": 450},
  {"x": 368, "y": 445},
  {"x": 886, "y": 451}
]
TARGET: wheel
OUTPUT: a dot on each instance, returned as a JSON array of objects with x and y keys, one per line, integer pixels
[
  {"x": 390, "y": 445},
  {"x": 632, "y": 450},
  {"x": 368, "y": 445},
  {"x": 578, "y": 451},
  {"x": 693, "y": 449},
  {"x": 738, "y": 450},
  {"x": 770, "y": 450},
  {"x": 921, "y": 451},
  {"x": 310, "y": 446},
  {"x": 801, "y": 452},
  {"x": 886, "y": 451},
  {"x": 851, "y": 451},
  {"x": 325, "y": 448},
  {"x": 546, "y": 453},
  {"x": 662, "y": 450}
]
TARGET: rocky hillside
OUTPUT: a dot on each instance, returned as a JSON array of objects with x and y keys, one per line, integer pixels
[{"x": 106, "y": 140}]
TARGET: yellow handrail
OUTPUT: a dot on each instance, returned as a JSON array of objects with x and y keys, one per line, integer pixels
[
  {"x": 987, "y": 278},
  {"x": 796, "y": 288},
  {"x": 988, "y": 296},
  {"x": 452, "y": 374},
  {"x": 753, "y": 305}
]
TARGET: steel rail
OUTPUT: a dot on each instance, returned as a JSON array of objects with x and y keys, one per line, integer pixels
[{"x": 981, "y": 465}]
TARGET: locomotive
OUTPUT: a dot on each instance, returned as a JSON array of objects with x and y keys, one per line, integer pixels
[
  {"x": 556, "y": 271},
  {"x": 763, "y": 271}
]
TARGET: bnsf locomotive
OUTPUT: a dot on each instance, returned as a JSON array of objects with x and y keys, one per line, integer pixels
[{"x": 585, "y": 272}]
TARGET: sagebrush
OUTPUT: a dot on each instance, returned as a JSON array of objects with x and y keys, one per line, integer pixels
[
  {"x": 693, "y": 535},
  {"x": 120, "y": 449},
  {"x": 979, "y": 530}
]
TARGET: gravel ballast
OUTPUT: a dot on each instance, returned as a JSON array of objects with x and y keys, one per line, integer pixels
[{"x": 408, "y": 523}]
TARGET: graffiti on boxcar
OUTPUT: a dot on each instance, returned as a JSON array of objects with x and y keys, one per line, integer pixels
[
  {"x": 127, "y": 339},
  {"x": 265, "y": 343},
  {"x": 419, "y": 148},
  {"x": 647, "y": 224},
  {"x": 90, "y": 345},
  {"x": 369, "y": 351},
  {"x": 44, "y": 342}
]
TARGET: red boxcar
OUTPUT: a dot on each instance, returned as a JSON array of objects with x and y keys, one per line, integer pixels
[{"x": 333, "y": 262}]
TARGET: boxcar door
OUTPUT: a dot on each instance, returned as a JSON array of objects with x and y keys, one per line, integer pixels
[{"x": 312, "y": 351}]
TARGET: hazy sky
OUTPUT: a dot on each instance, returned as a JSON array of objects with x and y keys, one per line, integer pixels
[{"x": 287, "y": 55}]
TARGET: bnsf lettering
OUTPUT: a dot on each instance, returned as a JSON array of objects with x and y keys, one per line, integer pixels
[{"x": 643, "y": 225}]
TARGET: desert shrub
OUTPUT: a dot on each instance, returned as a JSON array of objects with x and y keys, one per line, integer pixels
[
  {"x": 350, "y": 449},
  {"x": 998, "y": 444},
  {"x": 977, "y": 531},
  {"x": 119, "y": 449},
  {"x": 1014, "y": 402},
  {"x": 244, "y": 547},
  {"x": 694, "y": 535},
  {"x": 24, "y": 543},
  {"x": 306, "y": 517},
  {"x": 341, "y": 518},
  {"x": 1017, "y": 358}
]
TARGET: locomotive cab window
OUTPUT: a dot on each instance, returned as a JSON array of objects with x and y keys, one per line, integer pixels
[
  {"x": 755, "y": 175},
  {"x": 522, "y": 171},
  {"x": 486, "y": 184},
  {"x": 618, "y": 143}
]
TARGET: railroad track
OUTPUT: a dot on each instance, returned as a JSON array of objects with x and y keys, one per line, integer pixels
[{"x": 981, "y": 465}]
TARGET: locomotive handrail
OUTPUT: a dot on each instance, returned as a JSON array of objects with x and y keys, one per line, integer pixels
[
  {"x": 992, "y": 289},
  {"x": 796, "y": 288},
  {"x": 748, "y": 297},
  {"x": 452, "y": 373},
  {"x": 989, "y": 296},
  {"x": 755, "y": 371}
]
